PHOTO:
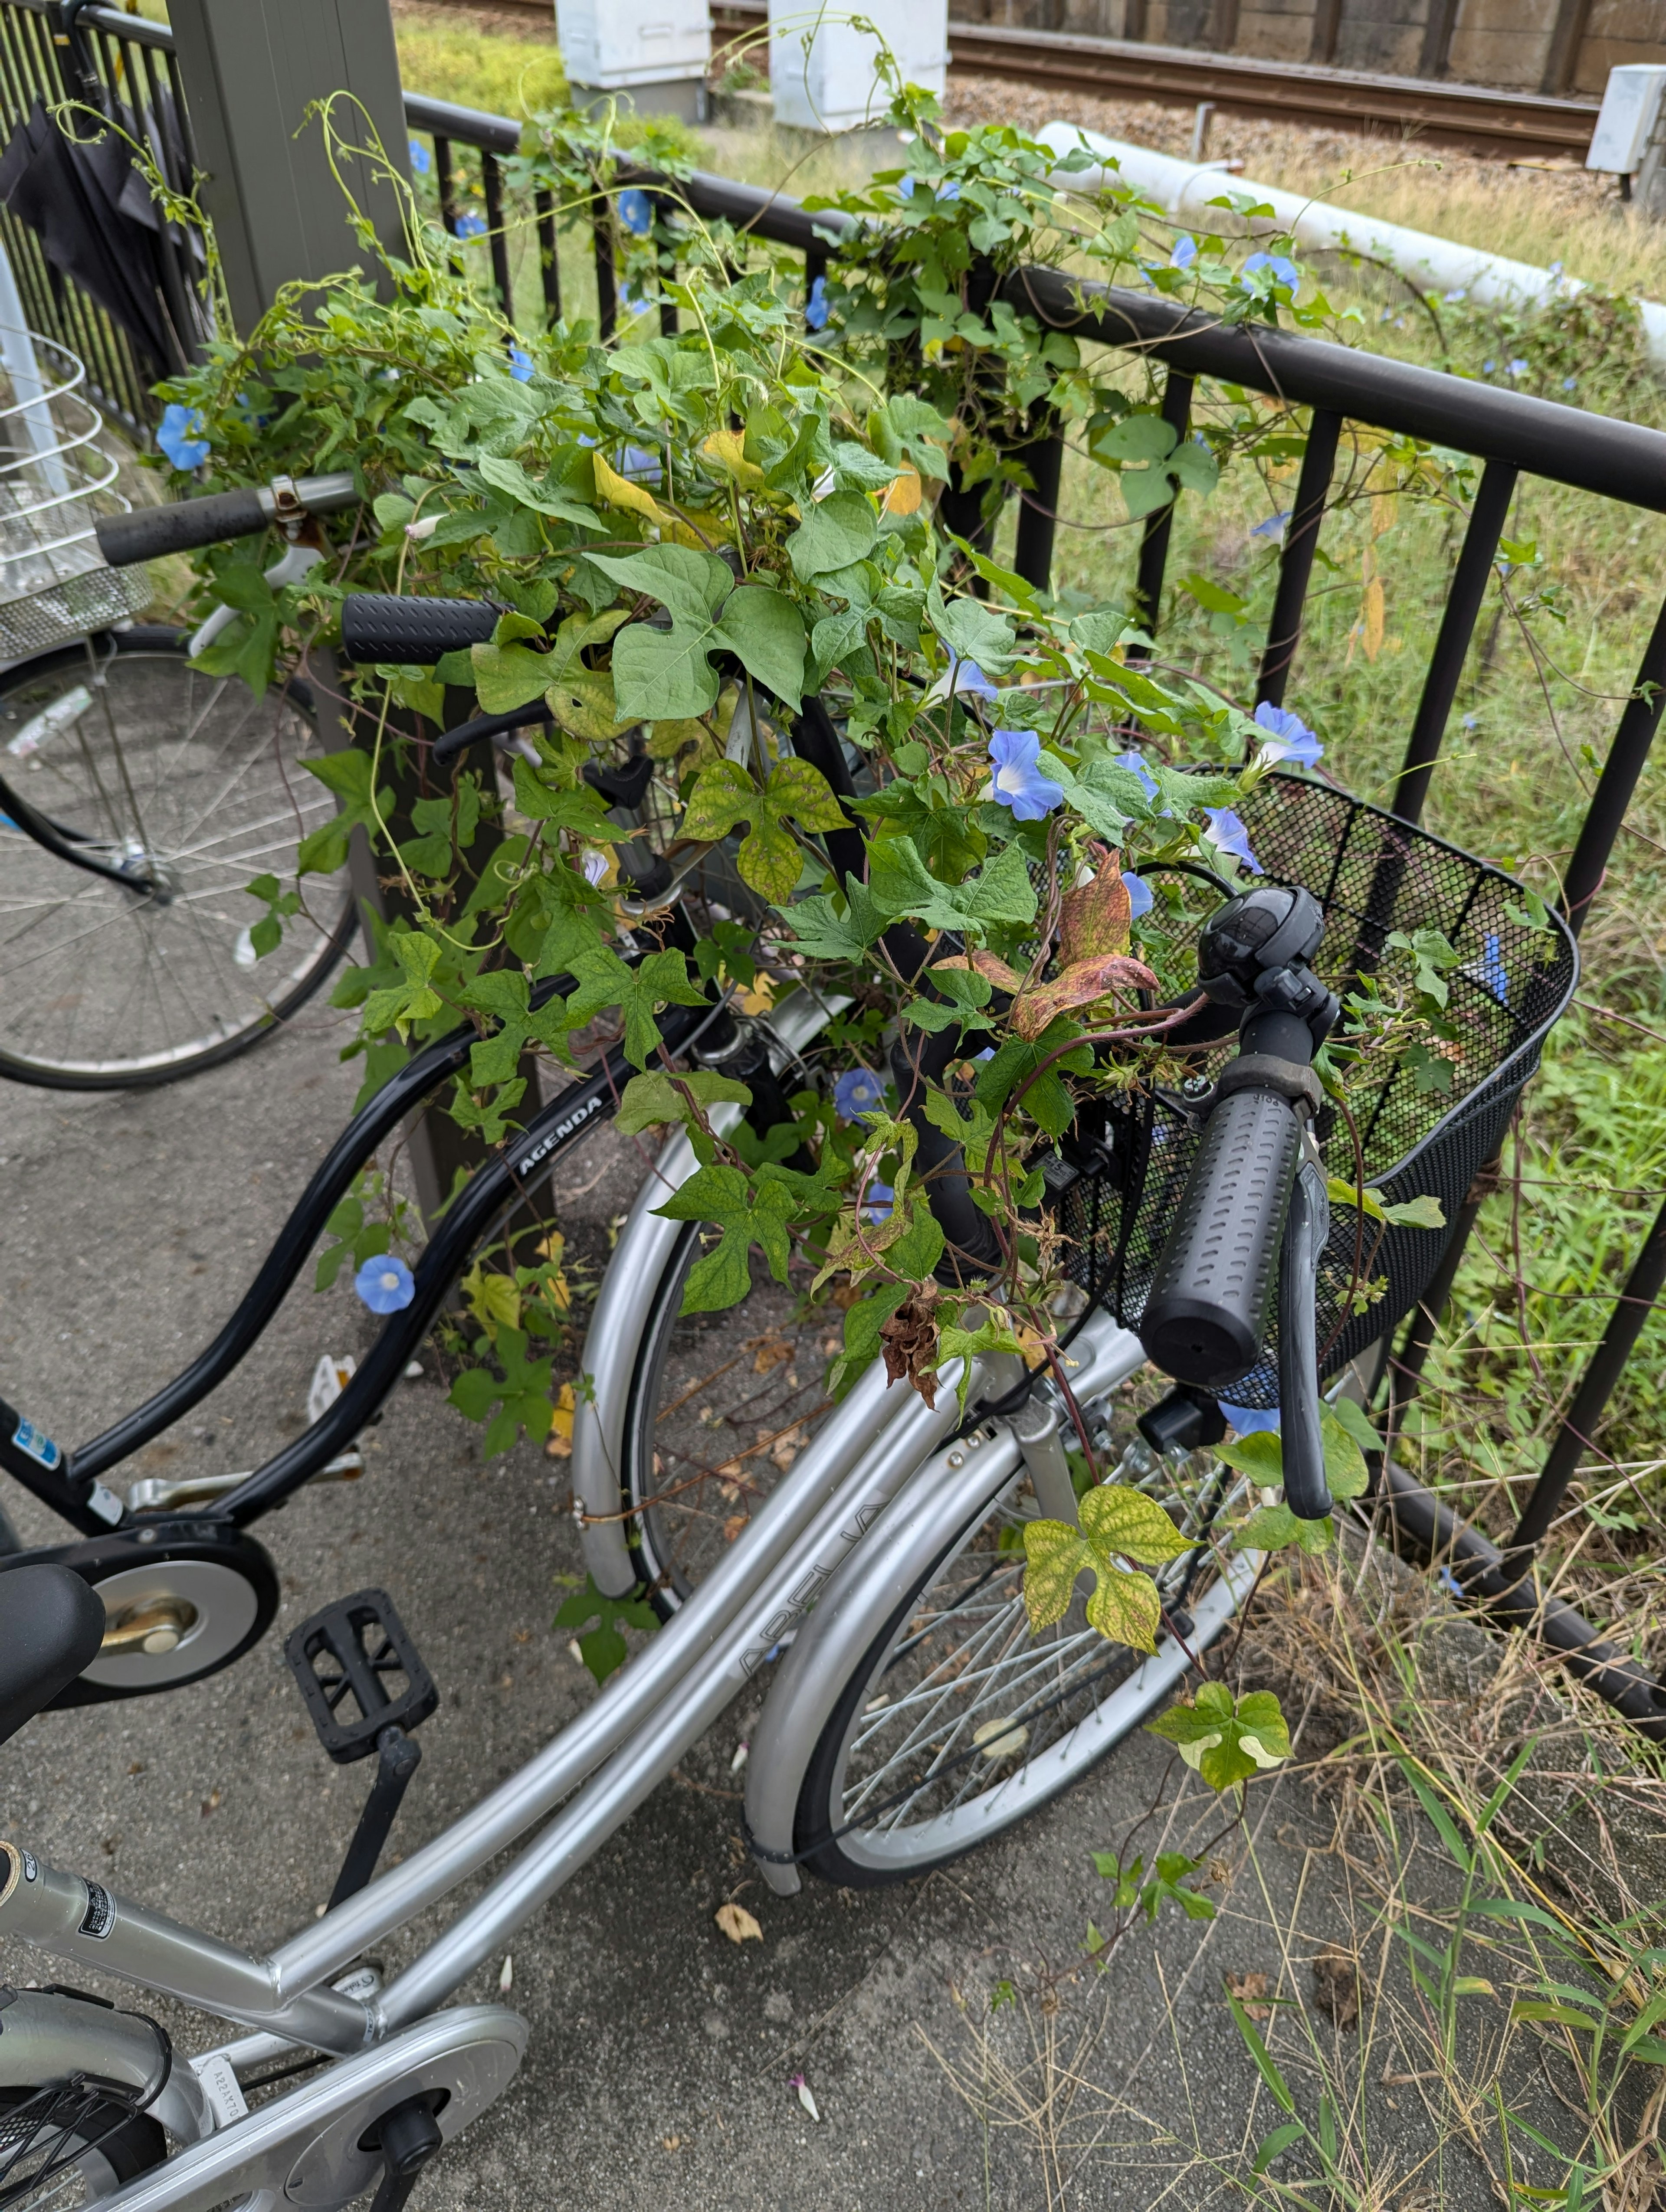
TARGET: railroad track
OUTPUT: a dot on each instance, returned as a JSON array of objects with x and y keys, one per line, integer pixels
[{"x": 1476, "y": 117}]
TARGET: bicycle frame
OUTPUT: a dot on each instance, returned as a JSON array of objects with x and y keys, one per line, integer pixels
[
  {"x": 877, "y": 1446},
  {"x": 75, "y": 1491}
]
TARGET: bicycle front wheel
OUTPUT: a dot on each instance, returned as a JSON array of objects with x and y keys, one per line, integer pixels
[
  {"x": 199, "y": 788},
  {"x": 721, "y": 1406},
  {"x": 959, "y": 1719}
]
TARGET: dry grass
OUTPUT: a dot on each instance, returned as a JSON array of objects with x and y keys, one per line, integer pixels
[
  {"x": 1533, "y": 214},
  {"x": 1437, "y": 2094}
]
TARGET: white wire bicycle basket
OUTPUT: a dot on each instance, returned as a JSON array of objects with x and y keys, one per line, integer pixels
[{"x": 55, "y": 480}]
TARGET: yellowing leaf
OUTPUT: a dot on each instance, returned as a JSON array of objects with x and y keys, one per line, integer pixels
[
  {"x": 619, "y": 491},
  {"x": 1126, "y": 1609},
  {"x": 581, "y": 701},
  {"x": 904, "y": 492},
  {"x": 1054, "y": 1555},
  {"x": 1116, "y": 1518},
  {"x": 737, "y": 1925},
  {"x": 727, "y": 448},
  {"x": 1117, "y": 1523}
]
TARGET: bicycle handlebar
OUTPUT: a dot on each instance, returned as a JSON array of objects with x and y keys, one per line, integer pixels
[
  {"x": 1254, "y": 1213},
  {"x": 379, "y": 626},
  {"x": 1206, "y": 1318},
  {"x": 185, "y": 525}
]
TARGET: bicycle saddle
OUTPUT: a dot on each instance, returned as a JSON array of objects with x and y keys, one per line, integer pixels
[{"x": 52, "y": 1625}]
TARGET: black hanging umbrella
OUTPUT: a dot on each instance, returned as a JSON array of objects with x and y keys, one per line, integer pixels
[{"x": 97, "y": 225}]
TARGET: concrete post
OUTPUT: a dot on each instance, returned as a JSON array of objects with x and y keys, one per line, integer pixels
[{"x": 249, "y": 69}]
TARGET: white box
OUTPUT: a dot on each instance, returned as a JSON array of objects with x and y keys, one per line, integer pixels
[
  {"x": 608, "y": 45},
  {"x": 836, "y": 86},
  {"x": 1626, "y": 121}
]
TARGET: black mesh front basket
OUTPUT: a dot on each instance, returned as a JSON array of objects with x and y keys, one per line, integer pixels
[{"x": 1373, "y": 874}]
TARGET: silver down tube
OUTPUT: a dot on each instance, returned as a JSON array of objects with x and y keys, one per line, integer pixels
[
  {"x": 81, "y": 1920},
  {"x": 731, "y": 1661},
  {"x": 871, "y": 1431}
]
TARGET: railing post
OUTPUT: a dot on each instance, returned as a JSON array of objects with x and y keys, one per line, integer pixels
[
  {"x": 1177, "y": 390},
  {"x": 491, "y": 178},
  {"x": 1038, "y": 508},
  {"x": 607, "y": 296},
  {"x": 1301, "y": 539},
  {"x": 1457, "y": 623},
  {"x": 1614, "y": 786},
  {"x": 1573, "y": 1439},
  {"x": 549, "y": 255}
]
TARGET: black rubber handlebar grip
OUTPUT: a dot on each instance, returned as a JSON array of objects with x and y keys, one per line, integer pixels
[
  {"x": 148, "y": 532},
  {"x": 1206, "y": 1319},
  {"x": 377, "y": 626}
]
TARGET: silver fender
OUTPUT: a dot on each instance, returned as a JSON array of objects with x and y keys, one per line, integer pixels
[
  {"x": 303, "y": 2149},
  {"x": 908, "y": 1538},
  {"x": 45, "y": 2038},
  {"x": 621, "y": 1314}
]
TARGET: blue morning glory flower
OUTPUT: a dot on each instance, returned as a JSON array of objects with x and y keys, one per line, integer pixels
[
  {"x": 1250, "y": 1421},
  {"x": 421, "y": 159},
  {"x": 1284, "y": 269},
  {"x": 636, "y": 212},
  {"x": 950, "y": 190},
  {"x": 880, "y": 1202},
  {"x": 385, "y": 1283},
  {"x": 1487, "y": 366},
  {"x": 1141, "y": 898},
  {"x": 967, "y": 679},
  {"x": 1228, "y": 835},
  {"x": 1135, "y": 766},
  {"x": 1570, "y": 383},
  {"x": 639, "y": 465},
  {"x": 632, "y": 304},
  {"x": 1288, "y": 737},
  {"x": 1516, "y": 368},
  {"x": 1273, "y": 527},
  {"x": 1185, "y": 252},
  {"x": 858, "y": 1095},
  {"x": 816, "y": 309},
  {"x": 1452, "y": 299},
  {"x": 1019, "y": 782},
  {"x": 178, "y": 438},
  {"x": 471, "y": 226},
  {"x": 1495, "y": 973},
  {"x": 521, "y": 365}
]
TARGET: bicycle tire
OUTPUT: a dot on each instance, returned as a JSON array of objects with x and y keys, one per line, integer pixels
[
  {"x": 102, "y": 988},
  {"x": 686, "y": 1501},
  {"x": 983, "y": 1776}
]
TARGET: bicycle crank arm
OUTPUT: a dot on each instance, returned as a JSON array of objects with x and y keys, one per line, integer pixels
[{"x": 153, "y": 1495}]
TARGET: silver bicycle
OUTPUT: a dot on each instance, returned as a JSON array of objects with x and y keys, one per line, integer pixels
[
  {"x": 859, "y": 1557},
  {"x": 140, "y": 796}
]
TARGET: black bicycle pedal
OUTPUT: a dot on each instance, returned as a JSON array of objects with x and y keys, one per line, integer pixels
[{"x": 360, "y": 1674}]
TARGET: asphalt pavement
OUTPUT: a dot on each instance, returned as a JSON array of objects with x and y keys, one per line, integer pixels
[{"x": 960, "y": 2047}]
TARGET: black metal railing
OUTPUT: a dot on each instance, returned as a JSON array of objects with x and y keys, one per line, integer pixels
[
  {"x": 125, "y": 66},
  {"x": 1511, "y": 434}
]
